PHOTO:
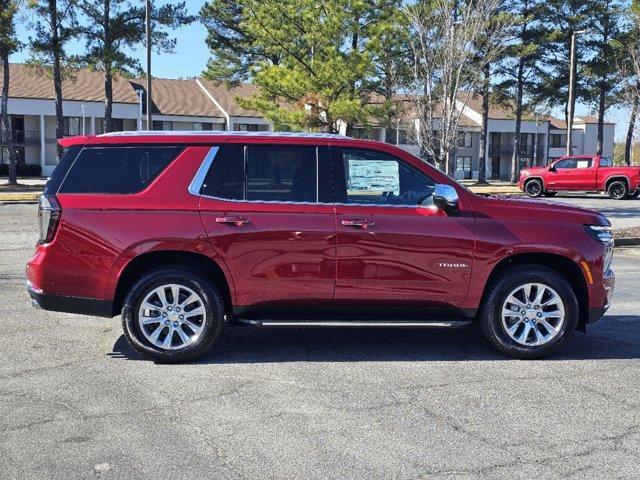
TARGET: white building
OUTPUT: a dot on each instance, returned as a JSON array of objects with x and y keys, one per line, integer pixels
[
  {"x": 542, "y": 139},
  {"x": 200, "y": 104},
  {"x": 177, "y": 105}
]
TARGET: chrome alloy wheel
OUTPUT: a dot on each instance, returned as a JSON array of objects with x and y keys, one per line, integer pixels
[
  {"x": 172, "y": 316},
  {"x": 533, "y": 314}
]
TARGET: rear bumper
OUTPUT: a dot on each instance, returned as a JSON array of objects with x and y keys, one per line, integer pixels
[{"x": 59, "y": 303}]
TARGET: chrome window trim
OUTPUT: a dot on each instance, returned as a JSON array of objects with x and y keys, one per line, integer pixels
[{"x": 196, "y": 184}]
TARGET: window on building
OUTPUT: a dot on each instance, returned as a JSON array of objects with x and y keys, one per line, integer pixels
[
  {"x": 117, "y": 169},
  {"x": 463, "y": 164},
  {"x": 373, "y": 178},
  {"x": 250, "y": 127},
  {"x": 162, "y": 125},
  {"x": 71, "y": 126},
  {"x": 401, "y": 136},
  {"x": 465, "y": 139},
  {"x": 556, "y": 140},
  {"x": 366, "y": 133},
  {"x": 200, "y": 126},
  {"x": 117, "y": 125}
]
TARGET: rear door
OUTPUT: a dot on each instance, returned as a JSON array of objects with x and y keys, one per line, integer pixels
[
  {"x": 267, "y": 211},
  {"x": 393, "y": 246}
]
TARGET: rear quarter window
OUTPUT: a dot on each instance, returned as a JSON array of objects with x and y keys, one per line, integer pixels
[{"x": 117, "y": 169}]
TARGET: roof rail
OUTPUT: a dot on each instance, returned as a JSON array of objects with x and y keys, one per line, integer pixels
[{"x": 222, "y": 133}]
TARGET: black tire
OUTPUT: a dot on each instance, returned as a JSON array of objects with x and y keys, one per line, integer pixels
[
  {"x": 491, "y": 311},
  {"x": 212, "y": 319},
  {"x": 550, "y": 194},
  {"x": 635, "y": 194},
  {"x": 618, "y": 189},
  {"x": 533, "y": 188}
]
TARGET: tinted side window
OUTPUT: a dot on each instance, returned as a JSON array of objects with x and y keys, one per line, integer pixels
[
  {"x": 284, "y": 174},
  {"x": 371, "y": 177},
  {"x": 117, "y": 169},
  {"x": 58, "y": 174},
  {"x": 567, "y": 163},
  {"x": 226, "y": 176},
  {"x": 606, "y": 162}
]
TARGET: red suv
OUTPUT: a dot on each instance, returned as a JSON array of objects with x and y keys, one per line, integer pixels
[{"x": 186, "y": 233}]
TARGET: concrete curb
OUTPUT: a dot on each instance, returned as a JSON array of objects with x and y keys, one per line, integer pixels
[{"x": 626, "y": 242}]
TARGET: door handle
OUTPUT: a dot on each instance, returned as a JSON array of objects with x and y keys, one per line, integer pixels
[
  {"x": 237, "y": 221},
  {"x": 358, "y": 223}
]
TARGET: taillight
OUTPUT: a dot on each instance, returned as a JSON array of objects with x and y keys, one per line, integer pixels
[{"x": 49, "y": 212}]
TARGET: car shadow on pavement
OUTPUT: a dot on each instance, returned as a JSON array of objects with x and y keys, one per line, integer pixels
[{"x": 615, "y": 337}]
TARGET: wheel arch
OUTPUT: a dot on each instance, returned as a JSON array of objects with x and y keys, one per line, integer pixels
[
  {"x": 615, "y": 177},
  {"x": 562, "y": 265},
  {"x": 536, "y": 177},
  {"x": 148, "y": 261}
]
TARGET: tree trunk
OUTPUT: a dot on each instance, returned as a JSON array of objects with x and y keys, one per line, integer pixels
[
  {"x": 601, "y": 110},
  {"x": 632, "y": 125},
  {"x": 57, "y": 74},
  {"x": 515, "y": 156},
  {"x": 482, "y": 165},
  {"x": 108, "y": 74},
  {"x": 4, "y": 117}
]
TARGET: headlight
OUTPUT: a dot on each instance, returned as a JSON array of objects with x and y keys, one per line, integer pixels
[{"x": 602, "y": 233}]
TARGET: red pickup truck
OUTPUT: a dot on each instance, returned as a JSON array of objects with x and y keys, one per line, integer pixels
[{"x": 581, "y": 172}]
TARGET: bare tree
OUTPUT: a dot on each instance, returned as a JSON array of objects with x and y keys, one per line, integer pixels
[{"x": 447, "y": 67}]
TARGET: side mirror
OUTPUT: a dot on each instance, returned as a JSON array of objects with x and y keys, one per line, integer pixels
[
  {"x": 446, "y": 198},
  {"x": 551, "y": 168}
]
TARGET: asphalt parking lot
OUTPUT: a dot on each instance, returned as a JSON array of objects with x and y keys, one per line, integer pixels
[{"x": 76, "y": 402}]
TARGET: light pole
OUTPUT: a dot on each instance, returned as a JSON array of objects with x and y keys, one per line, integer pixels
[
  {"x": 572, "y": 68},
  {"x": 535, "y": 142},
  {"x": 148, "y": 25}
]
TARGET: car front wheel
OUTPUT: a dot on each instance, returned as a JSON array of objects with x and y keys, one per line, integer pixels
[
  {"x": 172, "y": 315},
  {"x": 530, "y": 312},
  {"x": 533, "y": 188}
]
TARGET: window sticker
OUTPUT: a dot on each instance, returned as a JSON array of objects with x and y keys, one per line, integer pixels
[{"x": 373, "y": 176}]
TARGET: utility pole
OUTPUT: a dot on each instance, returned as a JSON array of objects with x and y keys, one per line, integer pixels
[
  {"x": 535, "y": 142},
  {"x": 572, "y": 73},
  {"x": 148, "y": 25}
]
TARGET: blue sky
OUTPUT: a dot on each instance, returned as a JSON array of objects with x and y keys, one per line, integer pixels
[{"x": 191, "y": 54}]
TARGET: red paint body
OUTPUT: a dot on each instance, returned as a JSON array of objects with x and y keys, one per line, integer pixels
[
  {"x": 302, "y": 254},
  {"x": 591, "y": 178}
]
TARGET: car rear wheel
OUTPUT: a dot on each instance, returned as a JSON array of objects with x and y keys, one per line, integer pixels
[
  {"x": 529, "y": 312},
  {"x": 635, "y": 194},
  {"x": 617, "y": 189},
  {"x": 533, "y": 188},
  {"x": 172, "y": 315}
]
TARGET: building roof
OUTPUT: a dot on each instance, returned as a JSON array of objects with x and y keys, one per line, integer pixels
[
  {"x": 178, "y": 97},
  {"x": 81, "y": 85},
  {"x": 589, "y": 119},
  {"x": 226, "y": 96}
]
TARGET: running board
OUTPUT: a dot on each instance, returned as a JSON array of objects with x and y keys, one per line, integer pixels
[{"x": 346, "y": 323}]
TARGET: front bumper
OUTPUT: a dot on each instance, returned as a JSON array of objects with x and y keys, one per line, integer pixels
[
  {"x": 608, "y": 285},
  {"x": 60, "y": 303}
]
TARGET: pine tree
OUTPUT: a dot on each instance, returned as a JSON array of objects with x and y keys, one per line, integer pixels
[{"x": 8, "y": 44}]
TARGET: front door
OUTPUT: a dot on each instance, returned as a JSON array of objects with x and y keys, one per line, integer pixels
[
  {"x": 269, "y": 216},
  {"x": 572, "y": 174},
  {"x": 393, "y": 246}
]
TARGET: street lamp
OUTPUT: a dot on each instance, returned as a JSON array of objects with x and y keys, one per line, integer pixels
[
  {"x": 572, "y": 68},
  {"x": 148, "y": 32}
]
